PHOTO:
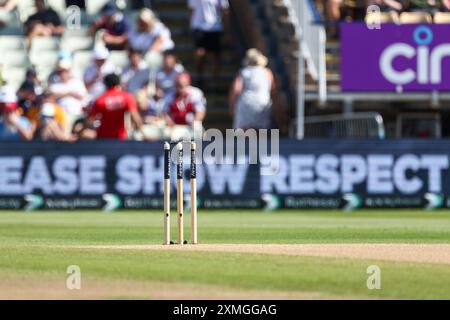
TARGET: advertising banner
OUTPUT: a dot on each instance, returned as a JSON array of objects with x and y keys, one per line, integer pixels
[
  {"x": 395, "y": 58},
  {"x": 314, "y": 174}
]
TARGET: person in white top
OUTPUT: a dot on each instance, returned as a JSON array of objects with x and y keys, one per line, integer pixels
[
  {"x": 69, "y": 92},
  {"x": 96, "y": 72},
  {"x": 150, "y": 35},
  {"x": 251, "y": 92},
  {"x": 207, "y": 24}
]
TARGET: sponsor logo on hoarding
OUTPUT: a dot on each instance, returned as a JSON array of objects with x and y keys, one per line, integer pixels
[
  {"x": 395, "y": 58},
  {"x": 428, "y": 61},
  {"x": 335, "y": 174}
]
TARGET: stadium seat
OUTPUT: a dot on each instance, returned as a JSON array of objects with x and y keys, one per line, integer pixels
[
  {"x": 415, "y": 17},
  {"x": 9, "y": 18},
  {"x": 381, "y": 17},
  {"x": 13, "y": 58},
  {"x": 12, "y": 43},
  {"x": 25, "y": 8},
  {"x": 132, "y": 16},
  {"x": 81, "y": 60},
  {"x": 119, "y": 59},
  {"x": 442, "y": 17},
  {"x": 76, "y": 32},
  {"x": 12, "y": 23},
  {"x": 42, "y": 59},
  {"x": 44, "y": 73},
  {"x": 45, "y": 43},
  {"x": 14, "y": 76},
  {"x": 154, "y": 61},
  {"x": 58, "y": 5},
  {"x": 11, "y": 31},
  {"x": 93, "y": 7},
  {"x": 77, "y": 43}
]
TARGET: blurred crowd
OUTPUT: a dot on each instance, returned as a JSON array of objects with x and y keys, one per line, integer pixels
[
  {"x": 139, "y": 101},
  {"x": 356, "y": 9},
  {"x": 351, "y": 10}
]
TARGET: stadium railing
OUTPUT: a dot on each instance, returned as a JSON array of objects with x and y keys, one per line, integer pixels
[
  {"x": 313, "y": 37},
  {"x": 361, "y": 125}
]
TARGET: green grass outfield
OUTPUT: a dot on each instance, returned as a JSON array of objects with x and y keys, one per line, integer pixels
[{"x": 36, "y": 248}]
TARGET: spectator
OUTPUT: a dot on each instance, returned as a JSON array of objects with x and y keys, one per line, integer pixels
[
  {"x": 44, "y": 23},
  {"x": 26, "y": 96},
  {"x": 207, "y": 24},
  {"x": 48, "y": 128},
  {"x": 152, "y": 107},
  {"x": 47, "y": 109},
  {"x": 32, "y": 76},
  {"x": 445, "y": 5},
  {"x": 63, "y": 56},
  {"x": 115, "y": 25},
  {"x": 250, "y": 97},
  {"x": 80, "y": 132},
  {"x": 7, "y": 6},
  {"x": 431, "y": 6},
  {"x": 166, "y": 77},
  {"x": 392, "y": 7},
  {"x": 388, "y": 5},
  {"x": 96, "y": 72},
  {"x": 136, "y": 75},
  {"x": 13, "y": 126},
  {"x": 69, "y": 92},
  {"x": 110, "y": 109},
  {"x": 333, "y": 8},
  {"x": 333, "y": 12},
  {"x": 187, "y": 106},
  {"x": 151, "y": 35},
  {"x": 155, "y": 108},
  {"x": 152, "y": 100}
]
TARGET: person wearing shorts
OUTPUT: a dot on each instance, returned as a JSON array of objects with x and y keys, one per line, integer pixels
[{"x": 207, "y": 25}]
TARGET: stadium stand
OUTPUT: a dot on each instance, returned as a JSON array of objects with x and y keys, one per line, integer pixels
[
  {"x": 391, "y": 106},
  {"x": 442, "y": 17},
  {"x": 75, "y": 46},
  {"x": 415, "y": 17},
  {"x": 275, "y": 31}
]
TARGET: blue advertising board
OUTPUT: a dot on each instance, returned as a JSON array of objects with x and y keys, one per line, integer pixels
[{"x": 336, "y": 174}]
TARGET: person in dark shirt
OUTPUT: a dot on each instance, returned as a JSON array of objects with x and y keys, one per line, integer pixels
[
  {"x": 115, "y": 25},
  {"x": 44, "y": 23}
]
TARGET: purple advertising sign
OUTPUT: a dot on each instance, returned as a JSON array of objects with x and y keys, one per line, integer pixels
[{"x": 395, "y": 58}]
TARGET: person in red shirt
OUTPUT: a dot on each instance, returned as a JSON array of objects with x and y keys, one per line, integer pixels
[
  {"x": 188, "y": 105},
  {"x": 110, "y": 109}
]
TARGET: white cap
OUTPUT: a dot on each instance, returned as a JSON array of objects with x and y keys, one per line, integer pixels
[
  {"x": 64, "y": 65},
  {"x": 100, "y": 53},
  {"x": 8, "y": 95},
  {"x": 48, "y": 110}
]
